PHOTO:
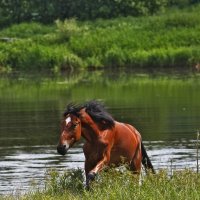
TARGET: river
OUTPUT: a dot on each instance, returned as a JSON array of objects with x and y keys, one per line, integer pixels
[{"x": 164, "y": 108}]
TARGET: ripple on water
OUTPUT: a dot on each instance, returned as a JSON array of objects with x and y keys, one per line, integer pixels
[{"x": 30, "y": 164}]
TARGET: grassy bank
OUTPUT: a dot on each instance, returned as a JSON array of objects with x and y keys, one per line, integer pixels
[
  {"x": 165, "y": 40},
  {"x": 114, "y": 185}
]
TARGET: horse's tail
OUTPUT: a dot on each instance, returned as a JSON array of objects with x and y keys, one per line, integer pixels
[{"x": 146, "y": 160}]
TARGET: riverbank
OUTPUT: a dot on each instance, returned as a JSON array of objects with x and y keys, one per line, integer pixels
[
  {"x": 114, "y": 184},
  {"x": 167, "y": 40}
]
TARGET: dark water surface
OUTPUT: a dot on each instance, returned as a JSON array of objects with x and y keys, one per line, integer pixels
[{"x": 165, "y": 110}]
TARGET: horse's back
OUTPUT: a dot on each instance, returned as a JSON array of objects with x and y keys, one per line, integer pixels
[{"x": 126, "y": 132}]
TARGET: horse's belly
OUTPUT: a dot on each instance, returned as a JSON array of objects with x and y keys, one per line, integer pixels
[{"x": 118, "y": 156}]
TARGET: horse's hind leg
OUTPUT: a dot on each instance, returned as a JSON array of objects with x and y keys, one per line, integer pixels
[
  {"x": 136, "y": 162},
  {"x": 136, "y": 165}
]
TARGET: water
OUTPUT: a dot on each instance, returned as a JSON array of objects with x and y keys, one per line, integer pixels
[{"x": 165, "y": 110}]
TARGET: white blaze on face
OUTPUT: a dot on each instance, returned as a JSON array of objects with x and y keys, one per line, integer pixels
[
  {"x": 68, "y": 120},
  {"x": 66, "y": 144}
]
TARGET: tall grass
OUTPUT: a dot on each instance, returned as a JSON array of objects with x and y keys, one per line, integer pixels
[
  {"x": 165, "y": 40},
  {"x": 113, "y": 184}
]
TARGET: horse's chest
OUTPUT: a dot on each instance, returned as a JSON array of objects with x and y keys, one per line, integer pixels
[{"x": 94, "y": 152}]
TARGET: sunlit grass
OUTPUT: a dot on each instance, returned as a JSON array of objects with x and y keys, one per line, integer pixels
[{"x": 113, "y": 184}]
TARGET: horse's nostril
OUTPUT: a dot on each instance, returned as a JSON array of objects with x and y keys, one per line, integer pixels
[{"x": 62, "y": 149}]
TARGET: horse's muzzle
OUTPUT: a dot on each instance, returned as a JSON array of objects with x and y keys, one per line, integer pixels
[{"x": 61, "y": 149}]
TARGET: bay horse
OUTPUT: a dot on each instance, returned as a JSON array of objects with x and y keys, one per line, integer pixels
[{"x": 107, "y": 141}]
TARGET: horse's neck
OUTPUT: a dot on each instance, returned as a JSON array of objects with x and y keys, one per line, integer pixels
[{"x": 90, "y": 133}]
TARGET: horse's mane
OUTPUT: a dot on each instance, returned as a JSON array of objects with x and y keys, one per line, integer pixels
[
  {"x": 72, "y": 108},
  {"x": 96, "y": 110}
]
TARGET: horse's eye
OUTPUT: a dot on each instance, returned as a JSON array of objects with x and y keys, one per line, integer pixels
[
  {"x": 71, "y": 127},
  {"x": 74, "y": 125}
]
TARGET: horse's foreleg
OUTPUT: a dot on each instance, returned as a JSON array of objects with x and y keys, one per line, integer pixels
[
  {"x": 100, "y": 165},
  {"x": 89, "y": 177},
  {"x": 91, "y": 174}
]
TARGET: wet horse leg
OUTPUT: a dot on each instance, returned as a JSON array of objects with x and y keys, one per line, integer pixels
[
  {"x": 136, "y": 162},
  {"x": 89, "y": 177},
  {"x": 91, "y": 170},
  {"x": 89, "y": 162}
]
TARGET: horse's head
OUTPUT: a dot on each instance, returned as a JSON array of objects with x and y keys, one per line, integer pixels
[
  {"x": 78, "y": 118},
  {"x": 70, "y": 133}
]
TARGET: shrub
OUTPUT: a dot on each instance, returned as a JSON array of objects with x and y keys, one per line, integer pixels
[
  {"x": 68, "y": 181},
  {"x": 67, "y": 29},
  {"x": 114, "y": 57},
  {"x": 71, "y": 61},
  {"x": 26, "y": 30}
]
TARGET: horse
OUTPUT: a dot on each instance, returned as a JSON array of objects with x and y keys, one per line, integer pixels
[{"x": 107, "y": 141}]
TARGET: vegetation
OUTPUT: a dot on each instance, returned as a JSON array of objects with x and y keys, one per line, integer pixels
[
  {"x": 48, "y": 11},
  {"x": 166, "y": 40},
  {"x": 115, "y": 184}
]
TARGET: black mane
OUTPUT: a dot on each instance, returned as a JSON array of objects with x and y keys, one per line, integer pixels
[
  {"x": 96, "y": 110},
  {"x": 98, "y": 113},
  {"x": 73, "y": 108}
]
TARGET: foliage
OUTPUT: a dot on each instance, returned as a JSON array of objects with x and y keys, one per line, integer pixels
[
  {"x": 167, "y": 40},
  {"x": 24, "y": 30},
  {"x": 70, "y": 180},
  {"x": 48, "y": 11},
  {"x": 182, "y": 3},
  {"x": 67, "y": 28}
]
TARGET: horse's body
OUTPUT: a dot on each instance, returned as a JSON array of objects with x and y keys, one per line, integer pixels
[
  {"x": 113, "y": 148},
  {"x": 107, "y": 141}
]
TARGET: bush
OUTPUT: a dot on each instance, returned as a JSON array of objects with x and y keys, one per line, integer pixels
[
  {"x": 26, "y": 55},
  {"x": 68, "y": 181},
  {"x": 67, "y": 29},
  {"x": 114, "y": 57},
  {"x": 26, "y": 30}
]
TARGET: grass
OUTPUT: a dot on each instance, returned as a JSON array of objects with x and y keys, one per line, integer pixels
[
  {"x": 166, "y": 40},
  {"x": 113, "y": 184}
]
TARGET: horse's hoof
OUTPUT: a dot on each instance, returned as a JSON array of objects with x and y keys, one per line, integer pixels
[{"x": 91, "y": 176}]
